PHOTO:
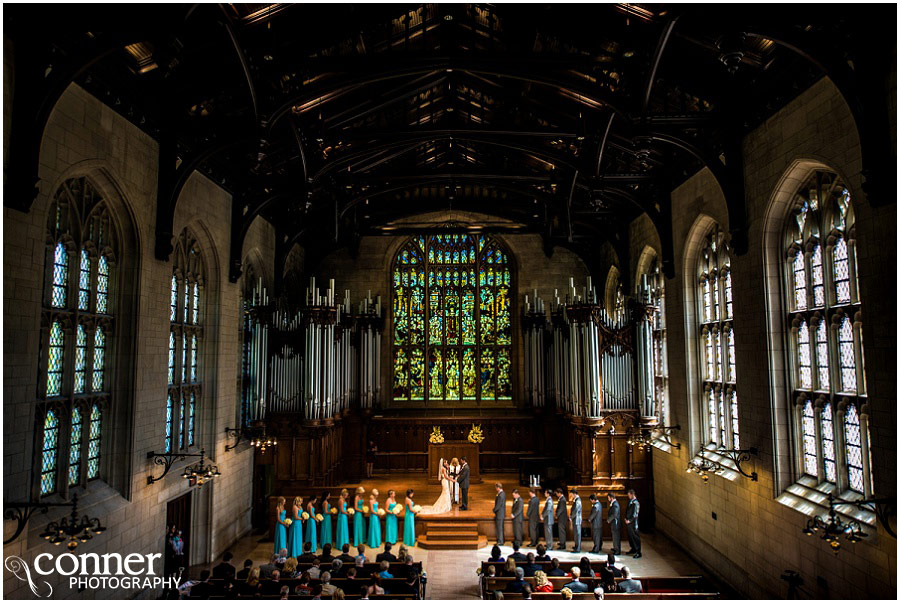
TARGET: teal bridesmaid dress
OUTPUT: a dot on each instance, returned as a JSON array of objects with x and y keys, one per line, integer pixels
[
  {"x": 295, "y": 536},
  {"x": 326, "y": 524},
  {"x": 374, "y": 527},
  {"x": 359, "y": 525},
  {"x": 280, "y": 533},
  {"x": 343, "y": 529},
  {"x": 311, "y": 531},
  {"x": 409, "y": 527},
  {"x": 390, "y": 524}
]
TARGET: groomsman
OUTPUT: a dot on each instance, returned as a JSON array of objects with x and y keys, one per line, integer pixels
[
  {"x": 562, "y": 519},
  {"x": 518, "y": 517},
  {"x": 631, "y": 523},
  {"x": 612, "y": 518},
  {"x": 534, "y": 516},
  {"x": 576, "y": 519},
  {"x": 596, "y": 521},
  {"x": 548, "y": 519},
  {"x": 499, "y": 512}
]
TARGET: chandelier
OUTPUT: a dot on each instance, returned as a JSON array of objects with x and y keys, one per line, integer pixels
[
  {"x": 200, "y": 473},
  {"x": 263, "y": 442},
  {"x": 72, "y": 528},
  {"x": 638, "y": 438},
  {"x": 703, "y": 466},
  {"x": 255, "y": 434}
]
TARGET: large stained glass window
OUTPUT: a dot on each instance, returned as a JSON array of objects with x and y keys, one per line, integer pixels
[
  {"x": 77, "y": 337},
  {"x": 717, "y": 337},
  {"x": 824, "y": 342},
  {"x": 185, "y": 339},
  {"x": 452, "y": 336}
]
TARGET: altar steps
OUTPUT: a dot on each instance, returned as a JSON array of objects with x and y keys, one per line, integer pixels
[{"x": 452, "y": 535}]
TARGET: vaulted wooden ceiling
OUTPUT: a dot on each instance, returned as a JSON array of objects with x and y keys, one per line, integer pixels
[{"x": 333, "y": 121}]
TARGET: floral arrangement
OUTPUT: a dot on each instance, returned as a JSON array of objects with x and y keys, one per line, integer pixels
[
  {"x": 475, "y": 434},
  {"x": 351, "y": 511},
  {"x": 436, "y": 436},
  {"x": 333, "y": 511},
  {"x": 398, "y": 509},
  {"x": 365, "y": 509},
  {"x": 381, "y": 513},
  {"x": 305, "y": 516},
  {"x": 288, "y": 522},
  {"x": 319, "y": 517},
  {"x": 417, "y": 509}
]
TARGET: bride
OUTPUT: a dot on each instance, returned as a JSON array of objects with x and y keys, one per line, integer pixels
[{"x": 443, "y": 504}]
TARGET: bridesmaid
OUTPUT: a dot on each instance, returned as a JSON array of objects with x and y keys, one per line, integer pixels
[
  {"x": 390, "y": 522},
  {"x": 280, "y": 528},
  {"x": 409, "y": 520},
  {"x": 311, "y": 525},
  {"x": 359, "y": 522},
  {"x": 326, "y": 521},
  {"x": 295, "y": 533},
  {"x": 374, "y": 521},
  {"x": 342, "y": 536}
]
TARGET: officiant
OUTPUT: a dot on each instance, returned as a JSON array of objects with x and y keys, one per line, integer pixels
[{"x": 454, "y": 486}]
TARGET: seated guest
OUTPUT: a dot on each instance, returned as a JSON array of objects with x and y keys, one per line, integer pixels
[
  {"x": 496, "y": 555},
  {"x": 627, "y": 585},
  {"x": 303, "y": 587},
  {"x": 412, "y": 577},
  {"x": 285, "y": 591},
  {"x": 607, "y": 580},
  {"x": 327, "y": 587},
  {"x": 317, "y": 592},
  {"x": 338, "y": 594},
  {"x": 576, "y": 585},
  {"x": 585, "y": 566},
  {"x": 542, "y": 553},
  {"x": 282, "y": 557},
  {"x": 364, "y": 592},
  {"x": 326, "y": 556},
  {"x": 273, "y": 585},
  {"x": 611, "y": 565},
  {"x": 351, "y": 574},
  {"x": 387, "y": 555},
  {"x": 242, "y": 574},
  {"x": 203, "y": 589},
  {"x": 251, "y": 586},
  {"x": 516, "y": 585},
  {"x": 345, "y": 555},
  {"x": 265, "y": 571},
  {"x": 402, "y": 553},
  {"x": 541, "y": 584},
  {"x": 361, "y": 552},
  {"x": 375, "y": 587},
  {"x": 337, "y": 569},
  {"x": 290, "y": 568},
  {"x": 384, "y": 570},
  {"x": 491, "y": 571},
  {"x": 530, "y": 566},
  {"x": 526, "y": 591},
  {"x": 598, "y": 593},
  {"x": 307, "y": 556},
  {"x": 509, "y": 570},
  {"x": 409, "y": 568},
  {"x": 516, "y": 555},
  {"x": 315, "y": 570},
  {"x": 224, "y": 571},
  {"x": 566, "y": 593},
  {"x": 554, "y": 570},
  {"x": 360, "y": 567}
]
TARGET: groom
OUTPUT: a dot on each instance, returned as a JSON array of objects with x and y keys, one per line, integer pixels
[{"x": 463, "y": 480}]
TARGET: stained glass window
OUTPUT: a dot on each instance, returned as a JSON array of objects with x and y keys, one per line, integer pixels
[
  {"x": 171, "y": 358},
  {"x": 181, "y": 413},
  {"x": 194, "y": 358},
  {"x": 84, "y": 281},
  {"x": 55, "y": 359},
  {"x": 60, "y": 276},
  {"x": 170, "y": 417},
  {"x": 173, "y": 300},
  {"x": 97, "y": 372},
  {"x": 452, "y": 335},
  {"x": 75, "y": 448},
  {"x": 717, "y": 335},
  {"x": 93, "y": 459},
  {"x": 191, "y": 420},
  {"x": 80, "y": 358},
  {"x": 48, "y": 455},
  {"x": 827, "y": 345},
  {"x": 102, "y": 284}
]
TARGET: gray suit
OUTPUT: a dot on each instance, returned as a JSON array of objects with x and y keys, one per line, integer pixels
[
  {"x": 548, "y": 522},
  {"x": 463, "y": 480},
  {"x": 562, "y": 520},
  {"x": 596, "y": 521},
  {"x": 576, "y": 521},
  {"x": 612, "y": 518},
  {"x": 534, "y": 518},
  {"x": 500, "y": 514},
  {"x": 518, "y": 517},
  {"x": 631, "y": 514}
]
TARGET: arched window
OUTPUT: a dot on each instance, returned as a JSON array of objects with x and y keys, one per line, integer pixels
[
  {"x": 716, "y": 314},
  {"x": 78, "y": 318},
  {"x": 826, "y": 377},
  {"x": 452, "y": 336},
  {"x": 185, "y": 340},
  {"x": 651, "y": 284}
]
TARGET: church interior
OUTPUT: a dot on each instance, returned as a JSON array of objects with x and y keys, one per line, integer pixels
[{"x": 584, "y": 280}]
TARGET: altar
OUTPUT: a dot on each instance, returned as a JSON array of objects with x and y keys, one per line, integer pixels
[{"x": 454, "y": 449}]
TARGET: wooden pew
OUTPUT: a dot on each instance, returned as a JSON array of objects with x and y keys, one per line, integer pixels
[
  {"x": 652, "y": 585},
  {"x": 619, "y": 596}
]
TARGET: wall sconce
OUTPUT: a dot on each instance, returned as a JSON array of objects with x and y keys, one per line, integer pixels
[
  {"x": 166, "y": 460},
  {"x": 56, "y": 532},
  {"x": 255, "y": 435},
  {"x": 703, "y": 466},
  {"x": 664, "y": 434},
  {"x": 832, "y": 527},
  {"x": 200, "y": 473}
]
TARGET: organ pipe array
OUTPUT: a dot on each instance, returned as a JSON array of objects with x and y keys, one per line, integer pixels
[
  {"x": 369, "y": 324},
  {"x": 644, "y": 340},
  {"x": 255, "y": 354},
  {"x": 534, "y": 323},
  {"x": 285, "y": 393}
]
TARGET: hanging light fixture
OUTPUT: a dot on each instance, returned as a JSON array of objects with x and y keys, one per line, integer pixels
[
  {"x": 830, "y": 529},
  {"x": 72, "y": 528},
  {"x": 200, "y": 473}
]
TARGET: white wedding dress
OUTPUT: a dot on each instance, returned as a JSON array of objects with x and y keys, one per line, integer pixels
[{"x": 443, "y": 504}]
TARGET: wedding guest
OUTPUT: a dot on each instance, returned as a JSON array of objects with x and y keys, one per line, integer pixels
[
  {"x": 607, "y": 580},
  {"x": 351, "y": 574},
  {"x": 325, "y": 511},
  {"x": 541, "y": 584},
  {"x": 519, "y": 557},
  {"x": 315, "y": 571},
  {"x": 361, "y": 553},
  {"x": 317, "y": 592},
  {"x": 387, "y": 555},
  {"x": 375, "y": 587},
  {"x": 628, "y": 584},
  {"x": 242, "y": 574},
  {"x": 409, "y": 520},
  {"x": 312, "y": 525},
  {"x": 576, "y": 585},
  {"x": 303, "y": 588},
  {"x": 327, "y": 587},
  {"x": 203, "y": 589},
  {"x": 265, "y": 570},
  {"x": 496, "y": 555},
  {"x": 412, "y": 579},
  {"x": 359, "y": 521},
  {"x": 224, "y": 571},
  {"x": 342, "y": 533},
  {"x": 360, "y": 565},
  {"x": 295, "y": 531},
  {"x": 409, "y": 568},
  {"x": 509, "y": 570},
  {"x": 374, "y": 521},
  {"x": 402, "y": 553},
  {"x": 307, "y": 556},
  {"x": 364, "y": 593},
  {"x": 390, "y": 521},
  {"x": 385, "y": 570},
  {"x": 290, "y": 568},
  {"x": 338, "y": 594},
  {"x": 345, "y": 555},
  {"x": 491, "y": 572},
  {"x": 566, "y": 593},
  {"x": 338, "y": 570},
  {"x": 285, "y": 591},
  {"x": 611, "y": 566},
  {"x": 282, "y": 557},
  {"x": 598, "y": 593},
  {"x": 326, "y": 556},
  {"x": 273, "y": 585},
  {"x": 555, "y": 570},
  {"x": 542, "y": 553},
  {"x": 280, "y": 526},
  {"x": 530, "y": 566},
  {"x": 251, "y": 586},
  {"x": 516, "y": 585},
  {"x": 526, "y": 592},
  {"x": 585, "y": 566}
]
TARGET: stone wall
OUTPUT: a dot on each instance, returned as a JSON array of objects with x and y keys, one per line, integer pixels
[
  {"x": 86, "y": 138},
  {"x": 754, "y": 538}
]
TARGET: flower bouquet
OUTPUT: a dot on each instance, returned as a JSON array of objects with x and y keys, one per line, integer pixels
[
  {"x": 319, "y": 517},
  {"x": 333, "y": 511},
  {"x": 351, "y": 511},
  {"x": 381, "y": 513},
  {"x": 398, "y": 509},
  {"x": 305, "y": 516},
  {"x": 288, "y": 522},
  {"x": 417, "y": 509},
  {"x": 365, "y": 509}
]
